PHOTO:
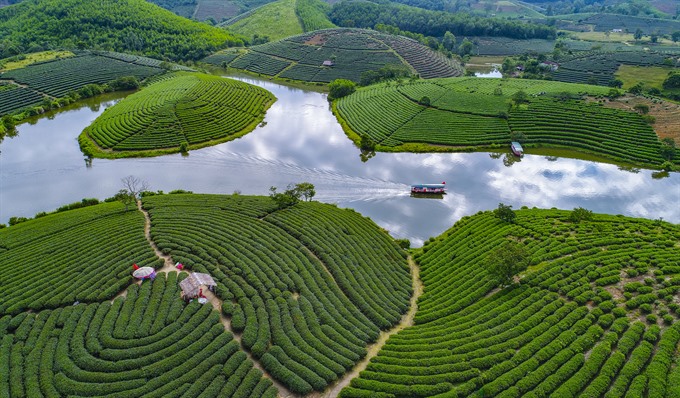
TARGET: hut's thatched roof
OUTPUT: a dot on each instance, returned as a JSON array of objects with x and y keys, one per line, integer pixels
[{"x": 194, "y": 281}]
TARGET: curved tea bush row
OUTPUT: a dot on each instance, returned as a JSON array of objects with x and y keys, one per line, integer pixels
[
  {"x": 617, "y": 134},
  {"x": 306, "y": 298},
  {"x": 564, "y": 330},
  {"x": 15, "y": 99},
  {"x": 187, "y": 108},
  {"x": 353, "y": 51},
  {"x": 59, "y": 77},
  {"x": 79, "y": 255},
  {"x": 147, "y": 344}
]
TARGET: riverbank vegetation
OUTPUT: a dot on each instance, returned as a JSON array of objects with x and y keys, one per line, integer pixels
[
  {"x": 180, "y": 111},
  {"x": 326, "y": 55},
  {"x": 593, "y": 315},
  {"x": 486, "y": 114}
]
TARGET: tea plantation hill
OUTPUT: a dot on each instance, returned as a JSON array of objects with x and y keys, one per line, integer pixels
[
  {"x": 595, "y": 314},
  {"x": 177, "y": 112},
  {"x": 347, "y": 54},
  {"x": 304, "y": 289},
  {"x": 119, "y": 25},
  {"x": 470, "y": 114},
  {"x": 54, "y": 82},
  {"x": 281, "y": 19}
]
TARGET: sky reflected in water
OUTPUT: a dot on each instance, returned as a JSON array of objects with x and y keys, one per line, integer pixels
[{"x": 42, "y": 168}]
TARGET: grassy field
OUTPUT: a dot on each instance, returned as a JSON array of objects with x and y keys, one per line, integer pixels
[
  {"x": 32, "y": 58},
  {"x": 651, "y": 76},
  {"x": 180, "y": 112},
  {"x": 594, "y": 315},
  {"x": 276, "y": 20},
  {"x": 479, "y": 114}
]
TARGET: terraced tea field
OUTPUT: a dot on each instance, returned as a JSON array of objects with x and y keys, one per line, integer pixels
[
  {"x": 594, "y": 315},
  {"x": 304, "y": 290},
  {"x": 601, "y": 67},
  {"x": 467, "y": 114},
  {"x": 183, "y": 109},
  {"x": 56, "y": 78},
  {"x": 351, "y": 51}
]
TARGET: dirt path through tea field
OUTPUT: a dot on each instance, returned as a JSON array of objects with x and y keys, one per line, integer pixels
[{"x": 407, "y": 320}]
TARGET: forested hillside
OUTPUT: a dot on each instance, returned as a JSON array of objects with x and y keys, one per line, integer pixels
[
  {"x": 119, "y": 25},
  {"x": 362, "y": 14}
]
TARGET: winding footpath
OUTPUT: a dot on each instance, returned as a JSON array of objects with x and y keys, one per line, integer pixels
[
  {"x": 372, "y": 350},
  {"x": 334, "y": 389}
]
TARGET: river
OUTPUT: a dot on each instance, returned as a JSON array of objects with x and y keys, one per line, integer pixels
[{"x": 42, "y": 168}]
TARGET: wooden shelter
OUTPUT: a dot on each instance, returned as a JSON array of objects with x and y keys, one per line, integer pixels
[{"x": 192, "y": 284}]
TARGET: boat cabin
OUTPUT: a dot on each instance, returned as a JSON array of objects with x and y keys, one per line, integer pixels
[
  {"x": 429, "y": 188},
  {"x": 516, "y": 148}
]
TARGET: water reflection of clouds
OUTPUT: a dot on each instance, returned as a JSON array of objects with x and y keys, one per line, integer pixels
[
  {"x": 602, "y": 187},
  {"x": 301, "y": 141}
]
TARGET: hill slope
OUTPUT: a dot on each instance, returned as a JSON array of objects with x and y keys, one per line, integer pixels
[
  {"x": 282, "y": 19},
  {"x": 119, "y": 25},
  {"x": 275, "y": 20},
  {"x": 352, "y": 52},
  {"x": 576, "y": 325},
  {"x": 465, "y": 114},
  {"x": 187, "y": 109},
  {"x": 306, "y": 288}
]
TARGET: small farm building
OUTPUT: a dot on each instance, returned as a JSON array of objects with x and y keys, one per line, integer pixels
[
  {"x": 192, "y": 284},
  {"x": 328, "y": 62}
]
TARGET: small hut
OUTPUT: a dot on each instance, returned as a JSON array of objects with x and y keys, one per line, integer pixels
[
  {"x": 191, "y": 286},
  {"x": 328, "y": 62}
]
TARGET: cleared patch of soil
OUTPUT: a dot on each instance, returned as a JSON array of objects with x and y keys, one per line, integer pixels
[
  {"x": 317, "y": 40},
  {"x": 667, "y": 114}
]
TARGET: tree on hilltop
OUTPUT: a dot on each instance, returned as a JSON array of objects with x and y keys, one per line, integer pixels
[
  {"x": 505, "y": 213},
  {"x": 506, "y": 261}
]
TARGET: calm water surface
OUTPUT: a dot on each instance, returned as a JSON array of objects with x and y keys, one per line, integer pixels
[{"x": 43, "y": 168}]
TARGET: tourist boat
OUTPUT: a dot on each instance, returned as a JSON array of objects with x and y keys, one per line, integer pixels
[
  {"x": 516, "y": 148},
  {"x": 429, "y": 188}
]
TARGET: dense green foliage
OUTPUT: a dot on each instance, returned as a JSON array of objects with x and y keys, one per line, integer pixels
[
  {"x": 121, "y": 25},
  {"x": 340, "y": 88},
  {"x": 149, "y": 342},
  {"x": 79, "y": 255},
  {"x": 570, "y": 327},
  {"x": 351, "y": 52},
  {"x": 308, "y": 286},
  {"x": 365, "y": 14},
  {"x": 185, "y": 107}
]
